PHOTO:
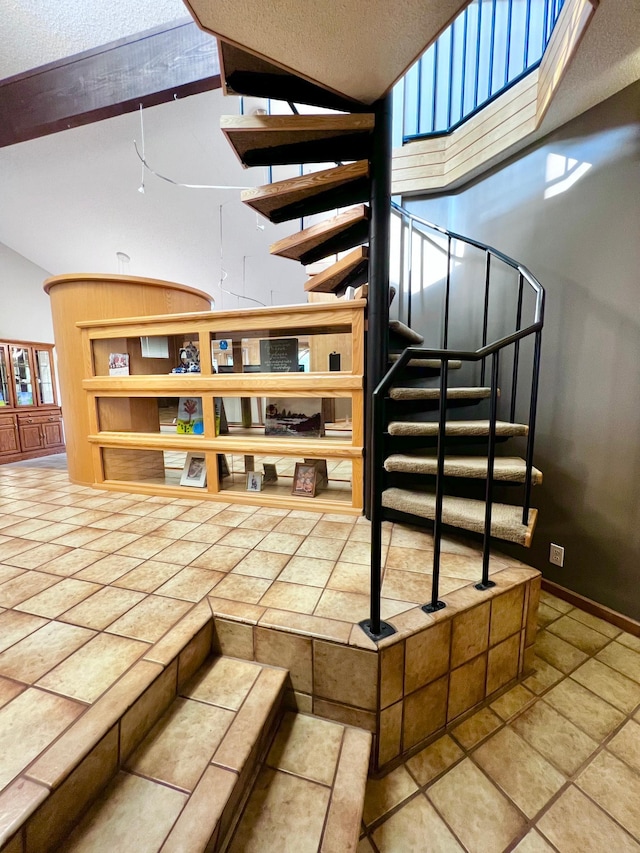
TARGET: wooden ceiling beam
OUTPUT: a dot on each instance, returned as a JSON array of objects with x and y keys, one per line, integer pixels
[{"x": 148, "y": 68}]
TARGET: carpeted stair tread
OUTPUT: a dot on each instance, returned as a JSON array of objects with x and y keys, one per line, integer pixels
[
  {"x": 457, "y": 428},
  {"x": 339, "y": 756},
  {"x": 398, "y": 328},
  {"x": 506, "y": 520},
  {"x": 434, "y": 393},
  {"x": 510, "y": 469},
  {"x": 431, "y": 363}
]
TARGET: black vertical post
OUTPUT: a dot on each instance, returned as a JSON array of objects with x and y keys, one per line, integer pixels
[
  {"x": 377, "y": 349},
  {"x": 485, "y": 583}
]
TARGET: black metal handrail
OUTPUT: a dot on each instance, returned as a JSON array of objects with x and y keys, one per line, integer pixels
[{"x": 374, "y": 626}]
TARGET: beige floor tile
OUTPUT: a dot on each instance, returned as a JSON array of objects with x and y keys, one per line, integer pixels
[
  {"x": 597, "y": 624},
  {"x": 201, "y": 513},
  {"x": 299, "y": 526},
  {"x": 558, "y": 652},
  {"x": 36, "y": 654},
  {"x": 349, "y": 577},
  {"x": 434, "y": 760},
  {"x": 261, "y": 564},
  {"x": 282, "y": 808},
  {"x": 561, "y": 743},
  {"x": 181, "y": 744},
  {"x": 147, "y": 576},
  {"x": 220, "y": 558},
  {"x": 411, "y": 537},
  {"x": 409, "y": 828},
  {"x": 308, "y": 570},
  {"x": 242, "y": 588},
  {"x": 241, "y": 537},
  {"x": 80, "y": 537},
  {"x": 26, "y": 585},
  {"x": 56, "y": 599},
  {"x": 544, "y": 676},
  {"x": 145, "y": 547},
  {"x": 231, "y": 517},
  {"x": 358, "y": 552},
  {"x": 482, "y": 818},
  {"x": 425, "y": 711},
  {"x": 181, "y": 553},
  {"x": 533, "y": 842},
  {"x": 409, "y": 586},
  {"x": 294, "y": 653},
  {"x": 36, "y": 557},
  {"x": 427, "y": 655},
  {"x": 609, "y": 684},
  {"x": 575, "y": 823},
  {"x": 15, "y": 626},
  {"x": 102, "y": 608},
  {"x": 621, "y": 658},
  {"x": 109, "y": 569},
  {"x": 476, "y": 728},
  {"x": 225, "y": 682},
  {"x": 16, "y": 546},
  {"x": 555, "y": 602},
  {"x": 513, "y": 701},
  {"x": 521, "y": 772},
  {"x": 280, "y": 543},
  {"x": 308, "y": 747},
  {"x": 128, "y": 803},
  {"x": 582, "y": 636},
  {"x": 318, "y": 546},
  {"x": 346, "y": 606},
  {"x": 8, "y": 691},
  {"x": 291, "y": 596},
  {"x": 71, "y": 562},
  {"x": 28, "y": 724},
  {"x": 629, "y": 641},
  {"x": 626, "y": 745},
  {"x": 168, "y": 511},
  {"x": 466, "y": 686},
  {"x": 209, "y": 533},
  {"x": 113, "y": 522},
  {"x": 190, "y": 584},
  {"x": 616, "y": 788},
  {"x": 383, "y": 795},
  {"x": 589, "y": 712},
  {"x": 150, "y": 619},
  {"x": 333, "y": 529},
  {"x": 7, "y": 573},
  {"x": 91, "y": 670},
  {"x": 470, "y": 633},
  {"x": 111, "y": 542},
  {"x": 547, "y": 615},
  {"x": 345, "y": 675},
  {"x": 143, "y": 525},
  {"x": 409, "y": 559}
]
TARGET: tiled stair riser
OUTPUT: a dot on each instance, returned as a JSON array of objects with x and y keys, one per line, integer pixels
[{"x": 423, "y": 679}]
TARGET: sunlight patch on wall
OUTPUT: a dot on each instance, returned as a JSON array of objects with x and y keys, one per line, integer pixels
[{"x": 562, "y": 173}]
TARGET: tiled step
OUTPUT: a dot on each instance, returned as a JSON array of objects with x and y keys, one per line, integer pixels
[
  {"x": 456, "y": 428},
  {"x": 246, "y": 74},
  {"x": 464, "y": 513},
  {"x": 275, "y": 140},
  {"x": 434, "y": 393},
  {"x": 351, "y": 270},
  {"x": 506, "y": 468},
  {"x": 313, "y": 193},
  {"x": 182, "y": 787},
  {"x": 341, "y": 232},
  {"x": 309, "y": 795}
]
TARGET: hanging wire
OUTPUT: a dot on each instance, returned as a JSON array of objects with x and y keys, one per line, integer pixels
[{"x": 223, "y": 272}]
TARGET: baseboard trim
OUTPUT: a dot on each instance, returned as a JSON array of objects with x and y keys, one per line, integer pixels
[{"x": 626, "y": 623}]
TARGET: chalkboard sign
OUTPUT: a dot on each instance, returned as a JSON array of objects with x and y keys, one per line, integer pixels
[{"x": 279, "y": 355}]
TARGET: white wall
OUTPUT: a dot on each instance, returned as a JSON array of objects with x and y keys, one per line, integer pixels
[{"x": 24, "y": 306}]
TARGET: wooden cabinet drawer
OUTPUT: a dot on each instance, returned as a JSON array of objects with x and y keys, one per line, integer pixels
[{"x": 7, "y": 420}]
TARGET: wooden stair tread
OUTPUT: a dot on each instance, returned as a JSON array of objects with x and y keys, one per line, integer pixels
[
  {"x": 403, "y": 331},
  {"x": 243, "y": 73},
  {"x": 334, "y": 235},
  {"x": 434, "y": 393},
  {"x": 313, "y": 193},
  {"x": 467, "y": 514},
  {"x": 460, "y": 428},
  {"x": 236, "y": 705},
  {"x": 343, "y": 752},
  {"x": 341, "y": 274},
  {"x": 511, "y": 469},
  {"x": 264, "y": 140},
  {"x": 431, "y": 363}
]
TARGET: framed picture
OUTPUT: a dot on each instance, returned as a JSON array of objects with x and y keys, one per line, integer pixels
[
  {"x": 254, "y": 481},
  {"x": 118, "y": 364},
  {"x": 270, "y": 473},
  {"x": 249, "y": 464},
  {"x": 321, "y": 468},
  {"x": 305, "y": 480},
  {"x": 194, "y": 472}
]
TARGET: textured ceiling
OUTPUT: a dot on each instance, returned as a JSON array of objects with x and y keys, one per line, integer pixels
[
  {"x": 35, "y": 32},
  {"x": 358, "y": 48}
]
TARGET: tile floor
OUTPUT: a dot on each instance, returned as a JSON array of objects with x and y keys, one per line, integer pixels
[{"x": 88, "y": 576}]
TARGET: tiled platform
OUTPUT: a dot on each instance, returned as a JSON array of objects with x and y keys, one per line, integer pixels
[{"x": 103, "y": 593}]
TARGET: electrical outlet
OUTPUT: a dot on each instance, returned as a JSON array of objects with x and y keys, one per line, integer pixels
[{"x": 556, "y": 555}]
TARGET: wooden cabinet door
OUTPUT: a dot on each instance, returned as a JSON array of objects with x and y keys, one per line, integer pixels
[
  {"x": 30, "y": 437},
  {"x": 9, "y": 439},
  {"x": 52, "y": 433}
]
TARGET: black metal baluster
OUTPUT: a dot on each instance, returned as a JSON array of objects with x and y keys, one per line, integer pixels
[
  {"x": 463, "y": 73},
  {"x": 485, "y": 320},
  {"x": 447, "y": 295},
  {"x": 492, "y": 44},
  {"x": 532, "y": 427},
  {"x": 527, "y": 26},
  {"x": 410, "y": 272},
  {"x": 435, "y": 603},
  {"x": 508, "y": 44},
  {"x": 475, "y": 87},
  {"x": 516, "y": 351},
  {"x": 485, "y": 583}
]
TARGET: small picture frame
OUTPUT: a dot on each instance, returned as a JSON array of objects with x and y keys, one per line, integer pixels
[
  {"x": 321, "y": 468},
  {"x": 305, "y": 480},
  {"x": 194, "y": 472},
  {"x": 249, "y": 463},
  {"x": 254, "y": 481},
  {"x": 270, "y": 473}
]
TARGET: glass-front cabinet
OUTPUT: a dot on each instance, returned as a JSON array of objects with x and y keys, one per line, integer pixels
[{"x": 30, "y": 418}]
